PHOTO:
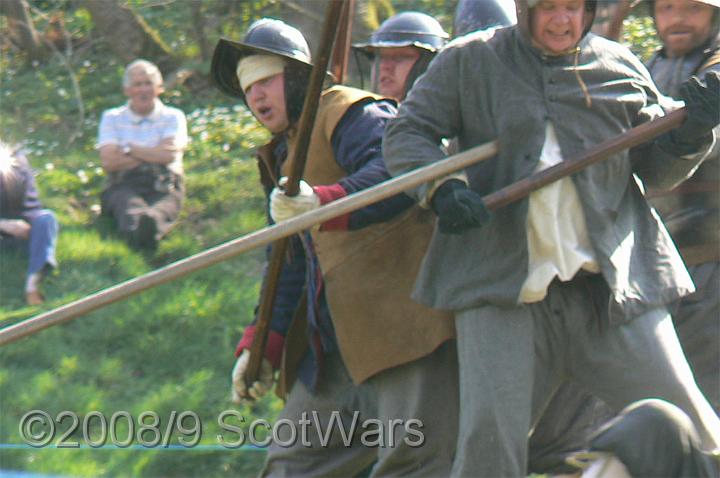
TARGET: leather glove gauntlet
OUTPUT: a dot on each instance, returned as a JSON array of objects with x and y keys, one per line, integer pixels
[
  {"x": 703, "y": 108},
  {"x": 259, "y": 388},
  {"x": 283, "y": 207},
  {"x": 458, "y": 208}
]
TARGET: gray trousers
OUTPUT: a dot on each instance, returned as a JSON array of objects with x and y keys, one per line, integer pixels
[
  {"x": 128, "y": 201},
  {"x": 512, "y": 360},
  {"x": 697, "y": 321},
  {"x": 573, "y": 414},
  {"x": 424, "y": 390},
  {"x": 564, "y": 429}
]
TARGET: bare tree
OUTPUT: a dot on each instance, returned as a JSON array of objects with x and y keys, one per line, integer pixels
[
  {"x": 129, "y": 36},
  {"x": 22, "y": 29},
  {"x": 305, "y": 15},
  {"x": 308, "y": 17},
  {"x": 199, "y": 29}
]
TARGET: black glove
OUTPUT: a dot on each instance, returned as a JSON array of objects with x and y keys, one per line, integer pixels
[
  {"x": 703, "y": 109},
  {"x": 458, "y": 208}
]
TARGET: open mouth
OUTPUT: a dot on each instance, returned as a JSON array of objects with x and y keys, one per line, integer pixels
[{"x": 559, "y": 35}]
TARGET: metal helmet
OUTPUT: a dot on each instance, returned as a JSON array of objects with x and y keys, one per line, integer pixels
[
  {"x": 407, "y": 29},
  {"x": 266, "y": 36},
  {"x": 712, "y": 3},
  {"x": 472, "y": 15}
]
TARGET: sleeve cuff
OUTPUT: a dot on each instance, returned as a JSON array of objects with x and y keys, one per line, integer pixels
[
  {"x": 433, "y": 186},
  {"x": 273, "y": 348},
  {"x": 687, "y": 151},
  {"x": 106, "y": 142},
  {"x": 329, "y": 193}
]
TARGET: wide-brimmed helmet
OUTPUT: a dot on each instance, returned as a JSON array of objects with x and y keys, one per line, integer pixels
[
  {"x": 473, "y": 15},
  {"x": 266, "y": 36},
  {"x": 407, "y": 29}
]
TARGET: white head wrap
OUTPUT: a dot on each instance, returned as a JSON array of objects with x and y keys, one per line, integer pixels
[{"x": 258, "y": 67}]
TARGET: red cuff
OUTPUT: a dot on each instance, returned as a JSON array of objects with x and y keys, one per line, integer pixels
[
  {"x": 273, "y": 348},
  {"x": 329, "y": 193}
]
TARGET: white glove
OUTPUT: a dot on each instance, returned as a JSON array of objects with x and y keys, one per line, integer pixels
[
  {"x": 607, "y": 466},
  {"x": 284, "y": 207},
  {"x": 598, "y": 464},
  {"x": 259, "y": 388},
  {"x": 15, "y": 227}
]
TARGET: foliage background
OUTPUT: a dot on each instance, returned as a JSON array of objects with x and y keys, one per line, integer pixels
[{"x": 169, "y": 348}]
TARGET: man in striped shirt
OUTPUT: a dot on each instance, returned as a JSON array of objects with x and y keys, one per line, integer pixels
[{"x": 141, "y": 146}]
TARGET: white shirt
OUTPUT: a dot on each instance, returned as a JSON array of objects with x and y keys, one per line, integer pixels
[
  {"x": 122, "y": 126},
  {"x": 558, "y": 241}
]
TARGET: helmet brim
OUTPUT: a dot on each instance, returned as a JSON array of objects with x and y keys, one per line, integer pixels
[
  {"x": 226, "y": 56},
  {"x": 712, "y": 3},
  {"x": 370, "y": 48}
]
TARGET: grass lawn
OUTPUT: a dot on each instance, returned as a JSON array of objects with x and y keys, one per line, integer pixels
[{"x": 167, "y": 349}]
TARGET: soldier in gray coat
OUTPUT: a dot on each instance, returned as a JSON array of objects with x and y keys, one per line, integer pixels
[
  {"x": 571, "y": 283},
  {"x": 691, "y": 212}
]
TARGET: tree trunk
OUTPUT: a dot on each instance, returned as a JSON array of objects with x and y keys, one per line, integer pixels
[
  {"x": 307, "y": 16},
  {"x": 22, "y": 29},
  {"x": 198, "y": 29},
  {"x": 622, "y": 10},
  {"x": 129, "y": 36}
]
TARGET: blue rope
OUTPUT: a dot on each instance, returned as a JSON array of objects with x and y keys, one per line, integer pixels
[{"x": 23, "y": 446}]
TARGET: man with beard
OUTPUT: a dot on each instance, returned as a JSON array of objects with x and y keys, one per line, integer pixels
[
  {"x": 571, "y": 283},
  {"x": 691, "y": 212}
]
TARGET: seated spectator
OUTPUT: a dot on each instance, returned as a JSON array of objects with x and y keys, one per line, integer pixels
[
  {"x": 141, "y": 146},
  {"x": 24, "y": 221}
]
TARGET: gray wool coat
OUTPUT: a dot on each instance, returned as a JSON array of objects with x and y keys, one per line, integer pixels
[{"x": 488, "y": 86}]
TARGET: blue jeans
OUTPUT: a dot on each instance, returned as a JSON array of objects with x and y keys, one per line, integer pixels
[
  {"x": 41, "y": 243},
  {"x": 43, "y": 239}
]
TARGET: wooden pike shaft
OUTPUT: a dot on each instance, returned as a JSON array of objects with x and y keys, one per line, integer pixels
[
  {"x": 245, "y": 243},
  {"x": 333, "y": 12},
  {"x": 342, "y": 44},
  {"x": 262, "y": 237},
  {"x": 634, "y": 137}
]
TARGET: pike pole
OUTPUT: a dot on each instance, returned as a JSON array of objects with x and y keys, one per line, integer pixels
[
  {"x": 404, "y": 182},
  {"x": 333, "y": 12}
]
